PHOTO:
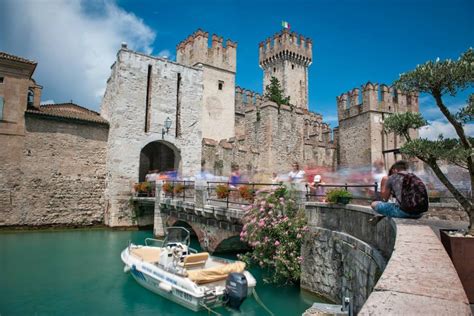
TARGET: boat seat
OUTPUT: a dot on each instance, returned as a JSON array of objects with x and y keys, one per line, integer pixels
[
  {"x": 151, "y": 255},
  {"x": 195, "y": 260}
]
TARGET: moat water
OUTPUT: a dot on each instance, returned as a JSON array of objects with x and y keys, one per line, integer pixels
[{"x": 80, "y": 272}]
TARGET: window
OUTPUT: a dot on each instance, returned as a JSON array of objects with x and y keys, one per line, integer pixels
[
  {"x": 31, "y": 98},
  {"x": 221, "y": 84},
  {"x": 1, "y": 80},
  {"x": 274, "y": 69},
  {"x": 1, "y": 108},
  {"x": 292, "y": 66}
]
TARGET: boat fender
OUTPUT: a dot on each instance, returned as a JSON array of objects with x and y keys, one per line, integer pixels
[
  {"x": 236, "y": 289},
  {"x": 165, "y": 287},
  {"x": 126, "y": 269}
]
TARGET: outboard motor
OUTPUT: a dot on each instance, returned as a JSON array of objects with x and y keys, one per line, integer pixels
[{"x": 236, "y": 289}]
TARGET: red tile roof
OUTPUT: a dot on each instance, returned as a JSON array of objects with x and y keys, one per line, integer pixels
[
  {"x": 6, "y": 56},
  {"x": 68, "y": 111}
]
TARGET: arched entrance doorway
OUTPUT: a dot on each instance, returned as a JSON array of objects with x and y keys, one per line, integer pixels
[{"x": 158, "y": 155}]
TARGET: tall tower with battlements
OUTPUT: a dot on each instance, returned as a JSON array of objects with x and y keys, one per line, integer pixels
[
  {"x": 287, "y": 56},
  {"x": 219, "y": 66},
  {"x": 361, "y": 114}
]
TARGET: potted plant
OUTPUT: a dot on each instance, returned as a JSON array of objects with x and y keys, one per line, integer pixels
[
  {"x": 438, "y": 79},
  {"x": 178, "y": 188},
  {"x": 460, "y": 248},
  {"x": 434, "y": 196},
  {"x": 168, "y": 188},
  {"x": 222, "y": 191},
  {"x": 340, "y": 196},
  {"x": 247, "y": 193}
]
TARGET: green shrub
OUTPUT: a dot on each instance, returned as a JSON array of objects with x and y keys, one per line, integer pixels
[{"x": 339, "y": 196}]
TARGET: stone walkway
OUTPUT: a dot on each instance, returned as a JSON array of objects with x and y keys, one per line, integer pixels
[{"x": 419, "y": 278}]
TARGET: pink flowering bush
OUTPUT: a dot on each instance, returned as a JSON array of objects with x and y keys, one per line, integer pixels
[{"x": 274, "y": 229}]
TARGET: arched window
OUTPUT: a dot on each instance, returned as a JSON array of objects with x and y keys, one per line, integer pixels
[{"x": 31, "y": 98}]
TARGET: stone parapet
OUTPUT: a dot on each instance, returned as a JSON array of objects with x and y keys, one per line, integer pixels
[
  {"x": 345, "y": 256},
  {"x": 375, "y": 97},
  {"x": 195, "y": 49},
  {"x": 288, "y": 46},
  {"x": 419, "y": 279}
]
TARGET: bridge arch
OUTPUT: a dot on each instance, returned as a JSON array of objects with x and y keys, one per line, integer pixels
[
  {"x": 231, "y": 244},
  {"x": 158, "y": 155}
]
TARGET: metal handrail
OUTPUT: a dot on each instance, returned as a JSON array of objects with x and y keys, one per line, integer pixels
[
  {"x": 187, "y": 184},
  {"x": 338, "y": 185},
  {"x": 154, "y": 240},
  {"x": 233, "y": 187}
]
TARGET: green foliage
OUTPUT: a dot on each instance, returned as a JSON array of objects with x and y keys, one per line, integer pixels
[
  {"x": 448, "y": 150},
  {"x": 401, "y": 123},
  {"x": 337, "y": 195},
  {"x": 275, "y": 93},
  {"x": 466, "y": 114},
  {"x": 440, "y": 77},
  {"x": 274, "y": 227}
]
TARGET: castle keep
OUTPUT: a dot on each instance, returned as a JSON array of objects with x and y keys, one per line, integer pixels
[{"x": 79, "y": 166}]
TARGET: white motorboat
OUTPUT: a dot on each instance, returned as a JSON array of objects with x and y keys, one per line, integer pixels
[{"x": 178, "y": 272}]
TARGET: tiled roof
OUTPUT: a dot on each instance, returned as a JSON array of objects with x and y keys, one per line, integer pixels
[
  {"x": 4, "y": 55},
  {"x": 68, "y": 111}
]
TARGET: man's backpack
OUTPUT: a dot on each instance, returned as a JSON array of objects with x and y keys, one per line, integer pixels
[{"x": 414, "y": 194}]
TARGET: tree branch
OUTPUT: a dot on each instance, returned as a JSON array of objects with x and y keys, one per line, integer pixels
[{"x": 459, "y": 131}]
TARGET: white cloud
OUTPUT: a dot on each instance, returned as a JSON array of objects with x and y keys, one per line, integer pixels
[
  {"x": 439, "y": 127},
  {"x": 76, "y": 48},
  {"x": 165, "y": 53},
  {"x": 47, "y": 102}
]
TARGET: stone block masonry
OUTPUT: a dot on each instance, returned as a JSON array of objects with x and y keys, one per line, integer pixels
[
  {"x": 142, "y": 92},
  {"x": 59, "y": 179}
]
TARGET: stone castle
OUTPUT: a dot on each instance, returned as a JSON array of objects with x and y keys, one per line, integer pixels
[{"x": 78, "y": 166}]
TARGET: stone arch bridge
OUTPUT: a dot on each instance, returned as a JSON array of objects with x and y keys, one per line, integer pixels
[{"x": 216, "y": 225}]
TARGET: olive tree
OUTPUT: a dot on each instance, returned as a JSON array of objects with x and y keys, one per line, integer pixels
[{"x": 439, "y": 78}]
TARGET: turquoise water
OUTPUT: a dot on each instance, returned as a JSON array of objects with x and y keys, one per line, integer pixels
[{"x": 80, "y": 273}]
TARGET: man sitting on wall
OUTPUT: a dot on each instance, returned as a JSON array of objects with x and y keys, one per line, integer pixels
[{"x": 410, "y": 198}]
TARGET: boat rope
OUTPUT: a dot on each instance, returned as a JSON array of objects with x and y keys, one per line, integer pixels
[
  {"x": 259, "y": 301},
  {"x": 209, "y": 310}
]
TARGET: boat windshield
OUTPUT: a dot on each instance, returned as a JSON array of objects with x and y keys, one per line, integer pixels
[{"x": 177, "y": 235}]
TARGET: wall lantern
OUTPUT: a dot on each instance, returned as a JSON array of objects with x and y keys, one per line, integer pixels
[{"x": 166, "y": 129}]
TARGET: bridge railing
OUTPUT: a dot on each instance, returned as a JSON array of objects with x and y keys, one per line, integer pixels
[
  {"x": 239, "y": 193},
  {"x": 179, "y": 189},
  {"x": 144, "y": 189},
  {"x": 363, "y": 192}
]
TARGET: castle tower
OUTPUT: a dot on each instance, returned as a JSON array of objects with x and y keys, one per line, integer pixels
[
  {"x": 219, "y": 66},
  {"x": 361, "y": 136},
  {"x": 287, "y": 57}
]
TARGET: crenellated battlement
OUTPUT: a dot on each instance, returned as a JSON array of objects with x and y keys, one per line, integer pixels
[
  {"x": 195, "y": 49},
  {"x": 246, "y": 98},
  {"x": 286, "y": 45},
  {"x": 375, "y": 97}
]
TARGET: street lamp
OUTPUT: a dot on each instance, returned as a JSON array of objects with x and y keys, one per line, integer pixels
[{"x": 166, "y": 129}]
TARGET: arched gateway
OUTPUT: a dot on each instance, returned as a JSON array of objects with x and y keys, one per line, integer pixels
[{"x": 158, "y": 155}]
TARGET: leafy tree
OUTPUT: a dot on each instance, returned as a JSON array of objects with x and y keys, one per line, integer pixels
[
  {"x": 439, "y": 78},
  {"x": 275, "y": 93}
]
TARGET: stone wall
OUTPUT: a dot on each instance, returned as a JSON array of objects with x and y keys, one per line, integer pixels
[
  {"x": 218, "y": 104},
  {"x": 397, "y": 266},
  {"x": 361, "y": 115},
  {"x": 343, "y": 254},
  {"x": 125, "y": 106},
  {"x": 59, "y": 178},
  {"x": 270, "y": 141},
  {"x": 354, "y": 135}
]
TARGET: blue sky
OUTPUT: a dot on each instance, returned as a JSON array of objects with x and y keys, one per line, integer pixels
[{"x": 353, "y": 41}]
